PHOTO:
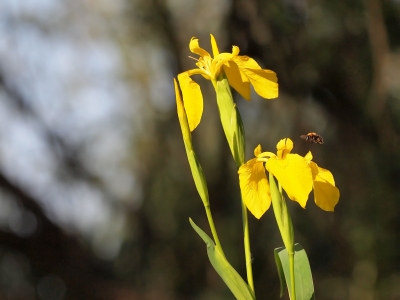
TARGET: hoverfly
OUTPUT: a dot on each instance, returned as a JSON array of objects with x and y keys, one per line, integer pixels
[{"x": 312, "y": 137}]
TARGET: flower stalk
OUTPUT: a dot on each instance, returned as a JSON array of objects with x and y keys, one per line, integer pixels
[
  {"x": 195, "y": 167},
  {"x": 234, "y": 133},
  {"x": 285, "y": 226}
]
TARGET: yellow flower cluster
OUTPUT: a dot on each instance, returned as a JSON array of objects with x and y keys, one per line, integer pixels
[
  {"x": 241, "y": 71},
  {"x": 296, "y": 174}
]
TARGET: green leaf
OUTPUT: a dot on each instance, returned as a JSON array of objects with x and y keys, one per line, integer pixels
[
  {"x": 303, "y": 277},
  {"x": 280, "y": 269},
  {"x": 232, "y": 279}
]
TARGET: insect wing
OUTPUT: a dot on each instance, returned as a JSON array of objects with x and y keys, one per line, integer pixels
[{"x": 304, "y": 137}]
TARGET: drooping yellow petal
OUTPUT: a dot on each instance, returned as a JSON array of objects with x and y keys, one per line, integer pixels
[
  {"x": 265, "y": 82},
  {"x": 214, "y": 46},
  {"x": 255, "y": 187},
  {"x": 326, "y": 194},
  {"x": 196, "y": 49},
  {"x": 294, "y": 175},
  {"x": 192, "y": 99},
  {"x": 284, "y": 147},
  {"x": 237, "y": 79}
]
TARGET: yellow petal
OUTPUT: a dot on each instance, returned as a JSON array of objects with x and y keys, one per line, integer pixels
[
  {"x": 218, "y": 62},
  {"x": 284, "y": 147},
  {"x": 196, "y": 49},
  {"x": 265, "y": 154},
  {"x": 257, "y": 150},
  {"x": 192, "y": 99},
  {"x": 294, "y": 175},
  {"x": 224, "y": 58},
  {"x": 308, "y": 156},
  {"x": 265, "y": 82},
  {"x": 235, "y": 50},
  {"x": 214, "y": 46},
  {"x": 255, "y": 187},
  {"x": 326, "y": 194},
  {"x": 237, "y": 79},
  {"x": 246, "y": 62}
]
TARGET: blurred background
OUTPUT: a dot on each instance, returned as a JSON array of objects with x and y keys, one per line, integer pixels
[{"x": 95, "y": 187}]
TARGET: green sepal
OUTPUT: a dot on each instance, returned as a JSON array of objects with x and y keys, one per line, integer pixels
[
  {"x": 302, "y": 272},
  {"x": 232, "y": 279}
]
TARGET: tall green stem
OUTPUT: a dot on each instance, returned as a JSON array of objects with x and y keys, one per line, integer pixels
[
  {"x": 292, "y": 277},
  {"x": 234, "y": 132},
  {"x": 247, "y": 251},
  {"x": 213, "y": 230},
  {"x": 285, "y": 226}
]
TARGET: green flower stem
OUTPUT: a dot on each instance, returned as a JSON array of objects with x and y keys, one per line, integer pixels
[
  {"x": 289, "y": 243},
  {"x": 285, "y": 226},
  {"x": 247, "y": 251},
  {"x": 292, "y": 278},
  {"x": 234, "y": 132},
  {"x": 291, "y": 252},
  {"x": 213, "y": 230}
]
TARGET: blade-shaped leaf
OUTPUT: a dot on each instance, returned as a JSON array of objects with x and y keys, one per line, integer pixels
[
  {"x": 232, "y": 279},
  {"x": 302, "y": 271},
  {"x": 280, "y": 269}
]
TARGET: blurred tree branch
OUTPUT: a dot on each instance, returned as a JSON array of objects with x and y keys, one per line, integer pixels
[
  {"x": 51, "y": 251},
  {"x": 380, "y": 54},
  {"x": 68, "y": 156}
]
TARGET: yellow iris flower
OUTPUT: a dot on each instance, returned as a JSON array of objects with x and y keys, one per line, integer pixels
[
  {"x": 241, "y": 71},
  {"x": 296, "y": 174}
]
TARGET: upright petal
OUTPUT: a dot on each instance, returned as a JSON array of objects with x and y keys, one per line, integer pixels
[
  {"x": 196, "y": 49},
  {"x": 192, "y": 99},
  {"x": 257, "y": 150},
  {"x": 255, "y": 187},
  {"x": 284, "y": 147},
  {"x": 309, "y": 157},
  {"x": 214, "y": 46},
  {"x": 294, "y": 175},
  {"x": 326, "y": 194}
]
